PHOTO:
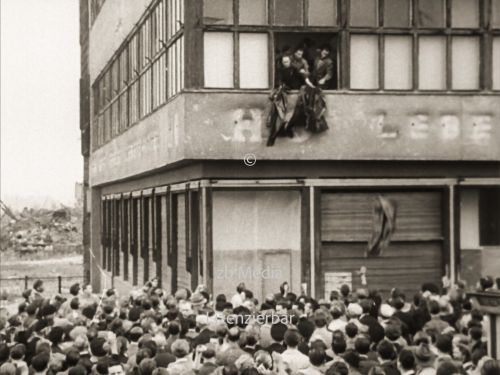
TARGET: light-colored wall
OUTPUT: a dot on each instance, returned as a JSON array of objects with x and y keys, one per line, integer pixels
[
  {"x": 362, "y": 127},
  {"x": 113, "y": 24},
  {"x": 157, "y": 141},
  {"x": 248, "y": 228},
  {"x": 227, "y": 126}
]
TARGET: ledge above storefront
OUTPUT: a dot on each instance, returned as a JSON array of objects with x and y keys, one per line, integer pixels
[{"x": 227, "y": 125}]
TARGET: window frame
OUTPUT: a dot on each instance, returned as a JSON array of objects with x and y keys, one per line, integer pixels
[
  {"x": 484, "y": 31},
  {"x": 269, "y": 28},
  {"x": 344, "y": 30},
  {"x": 131, "y": 79}
]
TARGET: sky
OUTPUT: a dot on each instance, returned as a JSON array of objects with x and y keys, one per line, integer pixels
[{"x": 40, "y": 70}]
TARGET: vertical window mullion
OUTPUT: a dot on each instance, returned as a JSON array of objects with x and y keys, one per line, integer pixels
[
  {"x": 449, "y": 65},
  {"x": 381, "y": 62},
  {"x": 305, "y": 12},
  {"x": 236, "y": 59},
  {"x": 236, "y": 12},
  {"x": 415, "y": 65},
  {"x": 272, "y": 59}
]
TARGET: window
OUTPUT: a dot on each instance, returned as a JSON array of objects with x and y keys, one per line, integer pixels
[
  {"x": 146, "y": 70},
  {"x": 288, "y": 12},
  {"x": 432, "y": 63},
  {"x": 442, "y": 41},
  {"x": 322, "y": 12},
  {"x": 218, "y": 12},
  {"x": 495, "y": 14},
  {"x": 465, "y": 13},
  {"x": 239, "y": 55},
  {"x": 465, "y": 63},
  {"x": 311, "y": 42},
  {"x": 496, "y": 63},
  {"x": 430, "y": 13},
  {"x": 396, "y": 13},
  {"x": 175, "y": 17},
  {"x": 489, "y": 216},
  {"x": 364, "y": 62},
  {"x": 252, "y": 12},
  {"x": 254, "y": 51},
  {"x": 218, "y": 58},
  {"x": 363, "y": 13},
  {"x": 398, "y": 63}
]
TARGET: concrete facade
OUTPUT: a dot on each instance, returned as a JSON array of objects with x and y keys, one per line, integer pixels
[{"x": 171, "y": 197}]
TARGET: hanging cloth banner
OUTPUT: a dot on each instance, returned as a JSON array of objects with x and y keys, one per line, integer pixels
[{"x": 384, "y": 224}]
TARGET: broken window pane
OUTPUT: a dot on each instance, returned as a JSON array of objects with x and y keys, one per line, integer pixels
[
  {"x": 288, "y": 12},
  {"x": 398, "y": 62},
  {"x": 430, "y": 13},
  {"x": 397, "y": 13},
  {"x": 432, "y": 63},
  {"x": 364, "y": 62},
  {"x": 465, "y": 13},
  {"x": 253, "y": 12},
  {"x": 218, "y": 12},
  {"x": 322, "y": 12},
  {"x": 465, "y": 63},
  {"x": 254, "y": 61},
  {"x": 364, "y": 13},
  {"x": 218, "y": 59}
]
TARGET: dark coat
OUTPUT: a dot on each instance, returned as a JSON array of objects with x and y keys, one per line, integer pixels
[{"x": 375, "y": 330}]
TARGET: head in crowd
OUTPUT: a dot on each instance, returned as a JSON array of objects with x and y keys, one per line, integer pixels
[{"x": 153, "y": 331}]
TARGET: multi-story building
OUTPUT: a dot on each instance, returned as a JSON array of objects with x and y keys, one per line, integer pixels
[{"x": 178, "y": 96}]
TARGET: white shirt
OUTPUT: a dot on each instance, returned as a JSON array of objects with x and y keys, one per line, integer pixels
[
  {"x": 337, "y": 325},
  {"x": 295, "y": 360}
]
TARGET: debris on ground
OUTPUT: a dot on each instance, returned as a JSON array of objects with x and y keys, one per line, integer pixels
[{"x": 40, "y": 230}]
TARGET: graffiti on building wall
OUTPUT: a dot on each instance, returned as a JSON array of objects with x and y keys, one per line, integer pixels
[
  {"x": 477, "y": 128},
  {"x": 246, "y": 126}
]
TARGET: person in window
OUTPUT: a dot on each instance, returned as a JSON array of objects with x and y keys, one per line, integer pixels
[
  {"x": 300, "y": 64},
  {"x": 323, "y": 68},
  {"x": 287, "y": 75}
]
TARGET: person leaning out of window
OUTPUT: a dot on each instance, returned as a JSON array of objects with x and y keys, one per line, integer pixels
[{"x": 323, "y": 68}]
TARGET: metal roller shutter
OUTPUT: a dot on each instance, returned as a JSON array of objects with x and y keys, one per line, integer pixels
[{"x": 414, "y": 255}]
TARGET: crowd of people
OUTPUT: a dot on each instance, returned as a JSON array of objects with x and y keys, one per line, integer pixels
[{"x": 153, "y": 332}]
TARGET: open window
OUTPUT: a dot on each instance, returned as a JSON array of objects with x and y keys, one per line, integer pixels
[{"x": 312, "y": 43}]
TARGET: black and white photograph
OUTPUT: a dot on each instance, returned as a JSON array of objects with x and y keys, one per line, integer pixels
[{"x": 250, "y": 187}]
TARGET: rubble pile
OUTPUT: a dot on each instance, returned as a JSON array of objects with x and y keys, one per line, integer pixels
[{"x": 41, "y": 230}]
